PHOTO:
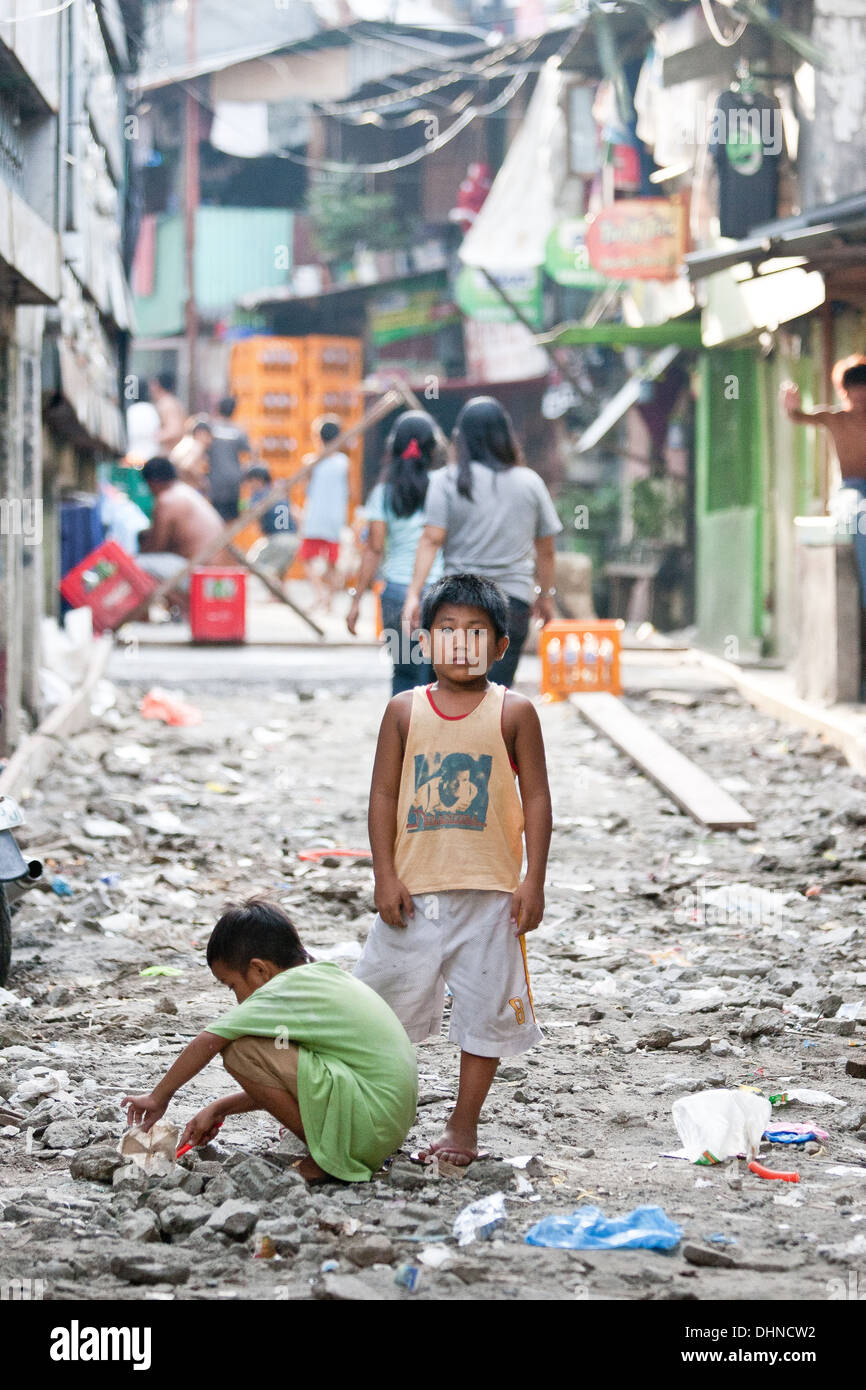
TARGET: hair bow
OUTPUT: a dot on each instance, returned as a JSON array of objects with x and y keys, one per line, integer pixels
[{"x": 412, "y": 450}]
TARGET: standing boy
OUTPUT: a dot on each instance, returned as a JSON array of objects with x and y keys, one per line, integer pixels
[
  {"x": 305, "y": 1042},
  {"x": 847, "y": 427},
  {"x": 447, "y": 830}
]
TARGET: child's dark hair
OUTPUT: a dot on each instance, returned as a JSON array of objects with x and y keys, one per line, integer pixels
[
  {"x": 255, "y": 928},
  {"x": 328, "y": 430},
  {"x": 469, "y": 591},
  {"x": 854, "y": 376},
  {"x": 410, "y": 453},
  {"x": 257, "y": 473}
]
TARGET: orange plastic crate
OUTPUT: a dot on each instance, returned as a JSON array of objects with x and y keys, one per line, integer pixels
[
  {"x": 332, "y": 359},
  {"x": 580, "y": 657}
]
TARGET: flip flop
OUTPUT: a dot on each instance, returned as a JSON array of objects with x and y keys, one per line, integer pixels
[{"x": 416, "y": 1157}]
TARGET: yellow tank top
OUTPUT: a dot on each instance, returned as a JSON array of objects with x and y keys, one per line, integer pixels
[{"x": 459, "y": 815}]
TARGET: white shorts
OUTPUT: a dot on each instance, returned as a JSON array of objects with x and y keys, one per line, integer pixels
[{"x": 465, "y": 939}]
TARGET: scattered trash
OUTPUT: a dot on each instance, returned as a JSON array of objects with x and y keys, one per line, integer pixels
[
  {"x": 794, "y": 1134},
  {"x": 763, "y": 1172},
  {"x": 267, "y": 1250},
  {"x": 719, "y": 1124},
  {"x": 110, "y": 880},
  {"x": 480, "y": 1219},
  {"x": 99, "y": 829},
  {"x": 161, "y": 704},
  {"x": 164, "y": 823},
  {"x": 587, "y": 1228},
  {"x": 154, "y": 1151},
  {"x": 846, "y": 1170},
  {"x": 62, "y": 887},
  {"x": 407, "y": 1276},
  {"x": 151, "y": 970},
  {"x": 806, "y": 1097},
  {"x": 435, "y": 1256}
]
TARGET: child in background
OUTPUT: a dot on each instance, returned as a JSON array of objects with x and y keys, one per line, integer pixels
[
  {"x": 325, "y": 513},
  {"x": 315, "y": 1048},
  {"x": 279, "y": 542},
  {"x": 447, "y": 830}
]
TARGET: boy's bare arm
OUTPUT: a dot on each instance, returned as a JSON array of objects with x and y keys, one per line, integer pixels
[
  {"x": 391, "y": 897},
  {"x": 528, "y": 907},
  {"x": 790, "y": 399},
  {"x": 147, "y": 1109}
]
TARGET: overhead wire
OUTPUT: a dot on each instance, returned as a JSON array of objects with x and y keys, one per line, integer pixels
[{"x": 726, "y": 40}]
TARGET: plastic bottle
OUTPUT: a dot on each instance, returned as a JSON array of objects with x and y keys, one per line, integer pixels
[{"x": 554, "y": 650}]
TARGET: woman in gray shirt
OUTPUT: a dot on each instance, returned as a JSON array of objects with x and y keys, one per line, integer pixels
[{"x": 491, "y": 515}]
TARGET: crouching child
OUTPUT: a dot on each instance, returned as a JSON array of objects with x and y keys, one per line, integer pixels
[{"x": 306, "y": 1042}]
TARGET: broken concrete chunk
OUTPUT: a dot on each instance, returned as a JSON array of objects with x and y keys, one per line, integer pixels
[
  {"x": 96, "y": 1164},
  {"x": 233, "y": 1218}
]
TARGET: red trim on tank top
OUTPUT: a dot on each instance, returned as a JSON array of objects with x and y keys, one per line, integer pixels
[{"x": 453, "y": 716}]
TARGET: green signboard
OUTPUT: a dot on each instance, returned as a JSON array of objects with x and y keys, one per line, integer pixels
[
  {"x": 566, "y": 259},
  {"x": 478, "y": 299}
]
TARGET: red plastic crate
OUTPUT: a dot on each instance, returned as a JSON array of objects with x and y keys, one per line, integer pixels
[
  {"x": 218, "y": 605},
  {"x": 109, "y": 583}
]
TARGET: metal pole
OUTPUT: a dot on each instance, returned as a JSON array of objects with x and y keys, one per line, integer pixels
[{"x": 191, "y": 201}]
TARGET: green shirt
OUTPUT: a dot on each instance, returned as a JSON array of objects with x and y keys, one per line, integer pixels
[{"x": 357, "y": 1077}]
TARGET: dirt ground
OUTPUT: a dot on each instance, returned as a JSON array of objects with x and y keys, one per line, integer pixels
[{"x": 749, "y": 994}]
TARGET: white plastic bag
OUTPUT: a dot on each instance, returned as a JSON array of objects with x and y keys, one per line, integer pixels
[
  {"x": 480, "y": 1218},
  {"x": 715, "y": 1125},
  {"x": 153, "y": 1151}
]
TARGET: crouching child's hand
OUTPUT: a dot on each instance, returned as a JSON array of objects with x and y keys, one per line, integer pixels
[
  {"x": 393, "y": 901},
  {"x": 527, "y": 907},
  {"x": 204, "y": 1126},
  {"x": 144, "y": 1110}
]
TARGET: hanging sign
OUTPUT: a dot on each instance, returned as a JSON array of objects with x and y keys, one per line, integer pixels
[
  {"x": 638, "y": 239},
  {"x": 566, "y": 259}
]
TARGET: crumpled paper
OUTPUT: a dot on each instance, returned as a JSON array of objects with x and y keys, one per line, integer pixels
[{"x": 154, "y": 1151}]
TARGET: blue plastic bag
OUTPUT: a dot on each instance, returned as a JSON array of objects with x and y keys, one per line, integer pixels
[{"x": 587, "y": 1228}]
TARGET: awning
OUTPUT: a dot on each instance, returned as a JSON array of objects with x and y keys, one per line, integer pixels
[
  {"x": 625, "y": 398},
  {"x": 735, "y": 308},
  {"x": 825, "y": 237},
  {"x": 680, "y": 333}
]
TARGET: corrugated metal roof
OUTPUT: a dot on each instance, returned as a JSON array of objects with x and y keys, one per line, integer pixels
[{"x": 237, "y": 250}]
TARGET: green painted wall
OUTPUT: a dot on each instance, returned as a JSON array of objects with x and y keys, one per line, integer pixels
[
  {"x": 238, "y": 250},
  {"x": 728, "y": 504}
]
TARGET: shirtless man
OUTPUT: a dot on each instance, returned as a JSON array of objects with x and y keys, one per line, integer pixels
[
  {"x": 171, "y": 413},
  {"x": 847, "y": 426},
  {"x": 184, "y": 524}
]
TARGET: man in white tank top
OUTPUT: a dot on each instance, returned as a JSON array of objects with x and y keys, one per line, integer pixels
[{"x": 447, "y": 829}]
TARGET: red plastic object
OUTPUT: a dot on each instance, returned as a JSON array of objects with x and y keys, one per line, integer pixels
[
  {"x": 218, "y": 605},
  {"x": 109, "y": 583},
  {"x": 185, "y": 1148},
  {"x": 316, "y": 854},
  {"x": 762, "y": 1172}
]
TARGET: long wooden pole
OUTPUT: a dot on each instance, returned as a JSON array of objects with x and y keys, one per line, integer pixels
[{"x": 279, "y": 492}]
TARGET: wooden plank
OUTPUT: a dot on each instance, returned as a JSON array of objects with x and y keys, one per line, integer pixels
[
  {"x": 692, "y": 789},
  {"x": 273, "y": 586}
]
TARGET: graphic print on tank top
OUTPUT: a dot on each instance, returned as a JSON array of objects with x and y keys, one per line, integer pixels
[{"x": 451, "y": 792}]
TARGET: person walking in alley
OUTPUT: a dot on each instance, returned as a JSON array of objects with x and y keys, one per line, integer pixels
[
  {"x": 305, "y": 1042},
  {"x": 847, "y": 428},
  {"x": 170, "y": 411},
  {"x": 395, "y": 512},
  {"x": 229, "y": 445},
  {"x": 184, "y": 524},
  {"x": 447, "y": 828},
  {"x": 324, "y": 517},
  {"x": 491, "y": 515}
]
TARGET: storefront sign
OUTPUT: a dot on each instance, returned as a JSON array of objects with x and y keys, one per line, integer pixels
[
  {"x": 478, "y": 299},
  {"x": 409, "y": 314},
  {"x": 566, "y": 258},
  {"x": 638, "y": 239}
]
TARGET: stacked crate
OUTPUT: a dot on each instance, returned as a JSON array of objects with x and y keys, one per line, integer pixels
[{"x": 284, "y": 385}]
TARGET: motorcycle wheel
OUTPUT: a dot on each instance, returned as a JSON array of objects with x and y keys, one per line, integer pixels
[{"x": 5, "y": 937}]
